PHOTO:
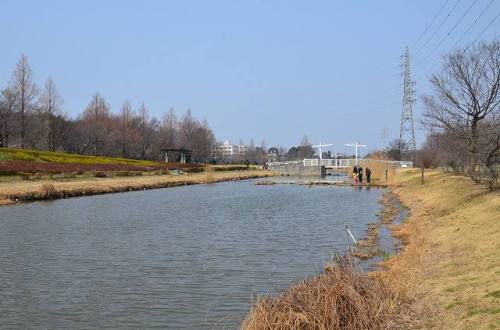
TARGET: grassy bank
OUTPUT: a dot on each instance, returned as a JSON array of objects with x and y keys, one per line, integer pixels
[
  {"x": 24, "y": 162},
  {"x": 447, "y": 275},
  {"x": 451, "y": 258},
  {"x": 16, "y": 189}
]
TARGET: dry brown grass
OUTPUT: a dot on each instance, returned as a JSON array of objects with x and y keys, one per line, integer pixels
[
  {"x": 390, "y": 209},
  {"x": 265, "y": 183},
  {"x": 450, "y": 260},
  {"x": 367, "y": 247},
  {"x": 209, "y": 174},
  {"x": 447, "y": 275},
  {"x": 378, "y": 169},
  {"x": 48, "y": 191},
  {"x": 20, "y": 190},
  {"x": 340, "y": 298}
]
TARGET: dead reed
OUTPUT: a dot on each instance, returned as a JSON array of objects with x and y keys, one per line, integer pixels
[
  {"x": 208, "y": 174},
  {"x": 342, "y": 297},
  {"x": 378, "y": 169},
  {"x": 367, "y": 247},
  {"x": 48, "y": 191}
]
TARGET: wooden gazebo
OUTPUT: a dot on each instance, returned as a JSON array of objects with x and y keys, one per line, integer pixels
[{"x": 177, "y": 155}]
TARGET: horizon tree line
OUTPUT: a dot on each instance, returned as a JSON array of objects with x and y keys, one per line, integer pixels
[{"x": 34, "y": 118}]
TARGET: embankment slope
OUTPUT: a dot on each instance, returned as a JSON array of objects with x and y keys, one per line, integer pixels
[
  {"x": 451, "y": 258},
  {"x": 446, "y": 276}
]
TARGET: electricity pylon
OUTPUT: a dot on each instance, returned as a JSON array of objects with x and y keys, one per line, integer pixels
[{"x": 407, "y": 131}]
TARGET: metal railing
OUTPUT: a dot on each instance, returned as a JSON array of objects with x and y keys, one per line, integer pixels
[{"x": 338, "y": 162}]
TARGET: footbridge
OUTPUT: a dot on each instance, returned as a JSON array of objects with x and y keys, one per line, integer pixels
[
  {"x": 316, "y": 166},
  {"x": 320, "y": 165}
]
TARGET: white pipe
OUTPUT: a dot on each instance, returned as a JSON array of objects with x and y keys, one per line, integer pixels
[{"x": 350, "y": 234}]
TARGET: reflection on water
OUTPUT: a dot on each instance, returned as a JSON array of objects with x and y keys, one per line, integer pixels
[{"x": 186, "y": 257}]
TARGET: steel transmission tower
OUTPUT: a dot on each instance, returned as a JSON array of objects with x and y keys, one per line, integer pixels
[{"x": 407, "y": 131}]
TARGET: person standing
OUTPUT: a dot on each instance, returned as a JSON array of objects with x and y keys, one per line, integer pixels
[
  {"x": 355, "y": 174},
  {"x": 368, "y": 173},
  {"x": 360, "y": 174}
]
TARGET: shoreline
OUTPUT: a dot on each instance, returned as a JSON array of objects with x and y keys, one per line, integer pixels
[
  {"x": 449, "y": 257},
  {"x": 16, "y": 192},
  {"x": 443, "y": 275}
]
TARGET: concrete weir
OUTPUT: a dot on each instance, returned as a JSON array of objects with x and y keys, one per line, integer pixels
[{"x": 296, "y": 170}]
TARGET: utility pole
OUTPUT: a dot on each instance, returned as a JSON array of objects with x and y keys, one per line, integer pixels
[
  {"x": 320, "y": 149},
  {"x": 407, "y": 130},
  {"x": 384, "y": 137},
  {"x": 356, "y": 146}
]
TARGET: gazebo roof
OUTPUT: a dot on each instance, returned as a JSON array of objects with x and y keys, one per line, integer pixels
[{"x": 177, "y": 150}]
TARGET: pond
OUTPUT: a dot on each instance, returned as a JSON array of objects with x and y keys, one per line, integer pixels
[{"x": 192, "y": 257}]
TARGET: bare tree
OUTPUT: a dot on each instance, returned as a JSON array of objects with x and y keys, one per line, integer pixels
[
  {"x": 263, "y": 145},
  {"x": 95, "y": 120},
  {"x": 398, "y": 150},
  {"x": 489, "y": 153},
  {"x": 126, "y": 116},
  {"x": 187, "y": 127},
  {"x": 466, "y": 94},
  {"x": 50, "y": 106},
  {"x": 41, "y": 124},
  {"x": 305, "y": 141},
  {"x": 7, "y": 108},
  {"x": 305, "y": 149},
  {"x": 25, "y": 91},
  {"x": 203, "y": 142},
  {"x": 252, "y": 144},
  {"x": 144, "y": 117},
  {"x": 169, "y": 128}
]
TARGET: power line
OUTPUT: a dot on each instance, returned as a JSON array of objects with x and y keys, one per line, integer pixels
[
  {"x": 438, "y": 28},
  {"x": 488, "y": 26},
  {"x": 473, "y": 23},
  {"x": 430, "y": 24},
  {"x": 447, "y": 35},
  {"x": 464, "y": 33}
]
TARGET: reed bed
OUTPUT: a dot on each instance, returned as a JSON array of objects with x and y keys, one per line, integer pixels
[
  {"x": 209, "y": 174},
  {"x": 342, "y": 297},
  {"x": 379, "y": 168}
]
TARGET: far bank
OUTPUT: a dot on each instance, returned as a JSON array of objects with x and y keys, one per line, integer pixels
[{"x": 18, "y": 190}]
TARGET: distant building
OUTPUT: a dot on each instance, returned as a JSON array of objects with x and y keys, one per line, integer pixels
[
  {"x": 273, "y": 155},
  {"x": 242, "y": 149},
  {"x": 227, "y": 151}
]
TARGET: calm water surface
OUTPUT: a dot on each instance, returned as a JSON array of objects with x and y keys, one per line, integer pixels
[{"x": 186, "y": 257}]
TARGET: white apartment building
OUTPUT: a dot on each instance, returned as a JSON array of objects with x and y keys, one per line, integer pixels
[{"x": 227, "y": 150}]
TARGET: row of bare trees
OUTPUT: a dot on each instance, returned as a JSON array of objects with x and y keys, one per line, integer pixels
[
  {"x": 34, "y": 118},
  {"x": 463, "y": 113}
]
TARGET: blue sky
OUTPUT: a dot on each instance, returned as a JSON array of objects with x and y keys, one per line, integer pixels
[{"x": 273, "y": 70}]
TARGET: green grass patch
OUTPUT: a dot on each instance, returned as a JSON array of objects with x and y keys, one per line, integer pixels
[
  {"x": 386, "y": 255},
  {"x": 453, "y": 304},
  {"x": 494, "y": 294},
  {"x": 489, "y": 310},
  {"x": 61, "y": 157}
]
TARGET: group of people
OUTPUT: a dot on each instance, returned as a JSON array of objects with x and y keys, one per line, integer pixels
[{"x": 357, "y": 174}]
